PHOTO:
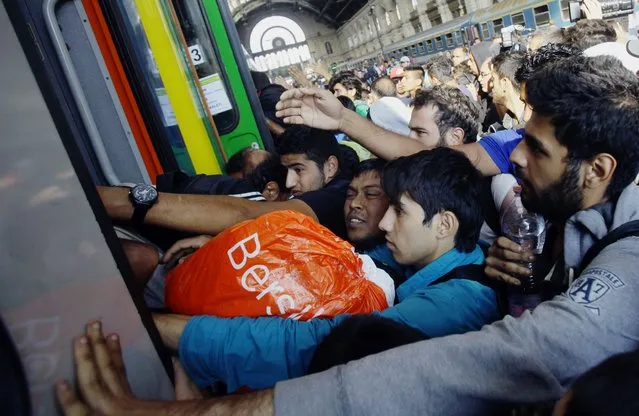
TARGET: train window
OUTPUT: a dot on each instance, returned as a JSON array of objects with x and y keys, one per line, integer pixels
[
  {"x": 429, "y": 45},
  {"x": 420, "y": 47},
  {"x": 465, "y": 35},
  {"x": 406, "y": 51},
  {"x": 459, "y": 38},
  {"x": 542, "y": 16},
  {"x": 485, "y": 31},
  {"x": 518, "y": 19},
  {"x": 413, "y": 50},
  {"x": 449, "y": 40},
  {"x": 498, "y": 24},
  {"x": 438, "y": 43}
]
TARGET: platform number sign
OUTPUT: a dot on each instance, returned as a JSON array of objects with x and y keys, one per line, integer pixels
[{"x": 197, "y": 55}]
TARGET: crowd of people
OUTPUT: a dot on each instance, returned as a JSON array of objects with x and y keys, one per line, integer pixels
[{"x": 416, "y": 166}]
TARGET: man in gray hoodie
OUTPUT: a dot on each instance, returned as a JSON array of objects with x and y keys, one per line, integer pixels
[{"x": 577, "y": 163}]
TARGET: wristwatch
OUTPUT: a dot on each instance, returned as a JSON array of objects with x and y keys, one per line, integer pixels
[{"x": 143, "y": 197}]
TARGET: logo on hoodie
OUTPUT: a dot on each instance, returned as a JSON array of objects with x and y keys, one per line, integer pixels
[{"x": 588, "y": 289}]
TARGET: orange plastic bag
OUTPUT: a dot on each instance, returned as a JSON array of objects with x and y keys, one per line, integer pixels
[{"x": 281, "y": 264}]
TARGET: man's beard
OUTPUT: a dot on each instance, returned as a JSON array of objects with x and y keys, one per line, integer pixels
[{"x": 559, "y": 201}]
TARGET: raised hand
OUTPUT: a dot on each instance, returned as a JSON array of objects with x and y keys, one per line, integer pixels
[
  {"x": 300, "y": 77},
  {"x": 312, "y": 107}
]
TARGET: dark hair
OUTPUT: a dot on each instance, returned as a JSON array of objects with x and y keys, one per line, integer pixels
[
  {"x": 440, "y": 180},
  {"x": 463, "y": 74},
  {"x": 349, "y": 81},
  {"x": 506, "y": 65},
  {"x": 260, "y": 79},
  {"x": 607, "y": 389},
  {"x": 440, "y": 68},
  {"x": 360, "y": 336},
  {"x": 590, "y": 32},
  {"x": 593, "y": 104},
  {"x": 547, "y": 53},
  {"x": 384, "y": 87},
  {"x": 269, "y": 96},
  {"x": 317, "y": 145},
  {"x": 371, "y": 165},
  {"x": 415, "y": 68},
  {"x": 349, "y": 162},
  {"x": 237, "y": 162},
  {"x": 269, "y": 170},
  {"x": 454, "y": 109},
  {"x": 346, "y": 102}
]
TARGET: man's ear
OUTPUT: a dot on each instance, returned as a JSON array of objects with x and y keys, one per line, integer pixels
[
  {"x": 331, "y": 168},
  {"x": 455, "y": 136},
  {"x": 271, "y": 191},
  {"x": 599, "y": 171},
  {"x": 447, "y": 226}
]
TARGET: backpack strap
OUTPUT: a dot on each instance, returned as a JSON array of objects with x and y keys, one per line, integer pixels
[
  {"x": 475, "y": 272},
  {"x": 629, "y": 229},
  {"x": 398, "y": 278}
]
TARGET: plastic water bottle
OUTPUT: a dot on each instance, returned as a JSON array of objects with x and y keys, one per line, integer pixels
[{"x": 529, "y": 231}]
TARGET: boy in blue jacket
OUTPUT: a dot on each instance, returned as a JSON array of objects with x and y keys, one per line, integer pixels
[{"x": 432, "y": 226}]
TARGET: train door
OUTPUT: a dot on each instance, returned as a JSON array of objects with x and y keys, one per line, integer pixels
[{"x": 60, "y": 263}]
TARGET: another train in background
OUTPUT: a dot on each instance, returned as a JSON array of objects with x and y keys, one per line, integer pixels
[{"x": 482, "y": 24}]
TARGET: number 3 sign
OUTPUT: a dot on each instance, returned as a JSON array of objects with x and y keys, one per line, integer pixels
[{"x": 196, "y": 55}]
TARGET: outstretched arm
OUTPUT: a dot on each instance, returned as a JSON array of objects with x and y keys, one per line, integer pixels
[
  {"x": 320, "y": 109},
  {"x": 202, "y": 214},
  {"x": 102, "y": 382}
]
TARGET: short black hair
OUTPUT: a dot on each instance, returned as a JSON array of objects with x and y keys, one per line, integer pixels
[
  {"x": 260, "y": 79},
  {"x": 506, "y": 65},
  {"x": 349, "y": 80},
  {"x": 317, "y": 145},
  {"x": 237, "y": 162},
  {"x": 551, "y": 52},
  {"x": 360, "y": 336},
  {"x": 269, "y": 170},
  {"x": 384, "y": 87},
  {"x": 349, "y": 160},
  {"x": 440, "y": 68},
  {"x": 371, "y": 165},
  {"x": 415, "y": 68},
  {"x": 440, "y": 180},
  {"x": 454, "y": 109},
  {"x": 589, "y": 32},
  {"x": 593, "y": 104},
  {"x": 610, "y": 388}
]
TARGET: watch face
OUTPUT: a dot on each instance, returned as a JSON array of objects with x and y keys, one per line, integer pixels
[{"x": 144, "y": 193}]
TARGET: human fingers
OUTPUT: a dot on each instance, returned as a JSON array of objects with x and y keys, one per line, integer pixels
[
  {"x": 506, "y": 249},
  {"x": 69, "y": 402},
  {"x": 115, "y": 350},
  {"x": 105, "y": 366},
  {"x": 495, "y": 274},
  {"x": 87, "y": 375},
  {"x": 513, "y": 269}
]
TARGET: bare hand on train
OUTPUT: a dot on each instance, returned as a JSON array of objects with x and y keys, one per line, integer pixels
[
  {"x": 100, "y": 376},
  {"x": 312, "y": 107},
  {"x": 504, "y": 261},
  {"x": 177, "y": 250}
]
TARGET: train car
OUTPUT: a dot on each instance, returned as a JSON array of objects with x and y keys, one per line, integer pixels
[{"x": 483, "y": 24}]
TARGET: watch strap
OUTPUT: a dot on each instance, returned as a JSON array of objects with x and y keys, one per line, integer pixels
[{"x": 139, "y": 212}]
